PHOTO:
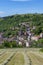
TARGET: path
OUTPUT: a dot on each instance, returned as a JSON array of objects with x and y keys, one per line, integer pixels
[{"x": 26, "y": 59}]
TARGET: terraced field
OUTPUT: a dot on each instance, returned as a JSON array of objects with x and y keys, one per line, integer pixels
[{"x": 21, "y": 56}]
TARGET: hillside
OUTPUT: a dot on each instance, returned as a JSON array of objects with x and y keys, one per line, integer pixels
[
  {"x": 10, "y": 26},
  {"x": 14, "y": 20}
]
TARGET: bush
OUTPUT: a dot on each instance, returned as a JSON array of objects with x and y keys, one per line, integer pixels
[
  {"x": 14, "y": 44},
  {"x": 7, "y": 44},
  {"x": 41, "y": 50}
]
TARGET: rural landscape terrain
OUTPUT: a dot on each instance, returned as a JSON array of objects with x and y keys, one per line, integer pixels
[
  {"x": 25, "y": 30},
  {"x": 21, "y": 39},
  {"x": 21, "y": 32},
  {"x": 21, "y": 56}
]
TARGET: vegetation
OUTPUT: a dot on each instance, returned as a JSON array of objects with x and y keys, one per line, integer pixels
[
  {"x": 35, "y": 59},
  {"x": 12, "y": 44},
  {"x": 41, "y": 50},
  {"x": 17, "y": 59},
  {"x": 21, "y": 56},
  {"x": 7, "y": 24},
  {"x": 37, "y": 44}
]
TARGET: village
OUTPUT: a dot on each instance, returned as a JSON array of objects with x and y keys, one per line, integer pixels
[{"x": 24, "y": 36}]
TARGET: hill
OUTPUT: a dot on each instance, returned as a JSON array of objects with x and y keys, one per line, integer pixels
[
  {"x": 14, "y": 20},
  {"x": 10, "y": 26}
]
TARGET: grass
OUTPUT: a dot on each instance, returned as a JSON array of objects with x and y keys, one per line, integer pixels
[
  {"x": 4, "y": 57},
  {"x": 35, "y": 59},
  {"x": 41, "y": 50},
  {"x": 17, "y": 59}
]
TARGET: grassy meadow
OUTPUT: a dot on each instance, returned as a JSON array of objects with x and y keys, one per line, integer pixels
[{"x": 21, "y": 56}]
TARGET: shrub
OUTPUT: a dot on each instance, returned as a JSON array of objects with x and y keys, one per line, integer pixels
[{"x": 41, "y": 50}]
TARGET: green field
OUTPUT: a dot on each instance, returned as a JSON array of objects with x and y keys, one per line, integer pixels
[{"x": 21, "y": 56}]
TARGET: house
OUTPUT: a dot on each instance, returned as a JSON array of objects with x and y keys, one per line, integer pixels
[
  {"x": 20, "y": 38},
  {"x": 28, "y": 32},
  {"x": 41, "y": 35},
  {"x": 25, "y": 33},
  {"x": 19, "y": 32},
  {"x": 1, "y": 35},
  {"x": 28, "y": 38},
  {"x": 1, "y": 40},
  {"x": 34, "y": 27},
  {"x": 27, "y": 43},
  {"x": 36, "y": 38},
  {"x": 20, "y": 43},
  {"x": 5, "y": 39},
  {"x": 23, "y": 24},
  {"x": 12, "y": 28},
  {"x": 17, "y": 28}
]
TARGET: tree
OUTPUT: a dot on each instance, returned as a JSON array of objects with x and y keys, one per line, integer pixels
[
  {"x": 14, "y": 44},
  {"x": 7, "y": 44}
]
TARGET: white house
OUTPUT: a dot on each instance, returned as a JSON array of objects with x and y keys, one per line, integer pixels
[
  {"x": 41, "y": 35},
  {"x": 27, "y": 43},
  {"x": 20, "y": 43}
]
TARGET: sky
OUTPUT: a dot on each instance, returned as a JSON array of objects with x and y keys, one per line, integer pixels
[{"x": 11, "y": 7}]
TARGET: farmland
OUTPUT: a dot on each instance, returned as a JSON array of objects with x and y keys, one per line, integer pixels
[{"x": 21, "y": 56}]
